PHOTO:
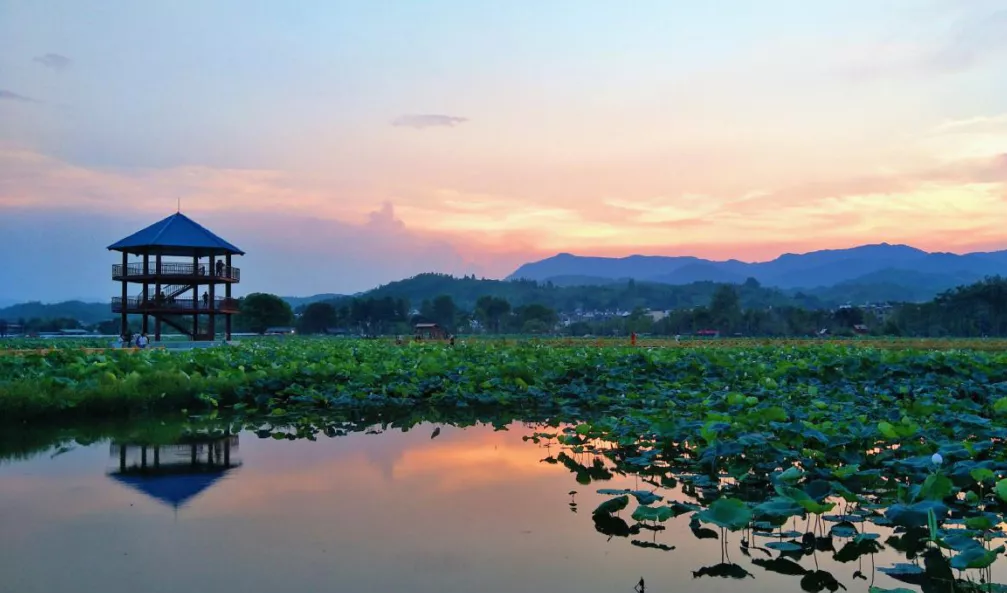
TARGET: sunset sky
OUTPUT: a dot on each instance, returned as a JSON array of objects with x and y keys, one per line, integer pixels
[{"x": 344, "y": 144}]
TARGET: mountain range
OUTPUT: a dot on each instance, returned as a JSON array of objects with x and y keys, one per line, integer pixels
[
  {"x": 869, "y": 273},
  {"x": 912, "y": 269}
]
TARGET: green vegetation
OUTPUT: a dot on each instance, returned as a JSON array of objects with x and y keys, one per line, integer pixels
[
  {"x": 260, "y": 311},
  {"x": 267, "y": 375},
  {"x": 748, "y": 310},
  {"x": 468, "y": 305},
  {"x": 467, "y": 291}
]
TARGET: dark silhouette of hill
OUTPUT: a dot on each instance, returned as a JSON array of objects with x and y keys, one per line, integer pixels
[
  {"x": 901, "y": 270},
  {"x": 614, "y": 294},
  {"x": 296, "y": 302},
  {"x": 86, "y": 313}
]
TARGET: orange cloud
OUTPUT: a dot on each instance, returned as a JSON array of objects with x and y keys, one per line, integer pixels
[{"x": 939, "y": 192}]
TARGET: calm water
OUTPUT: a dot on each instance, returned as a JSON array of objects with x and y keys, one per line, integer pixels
[{"x": 470, "y": 510}]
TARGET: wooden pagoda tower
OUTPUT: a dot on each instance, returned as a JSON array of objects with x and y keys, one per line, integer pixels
[{"x": 181, "y": 266}]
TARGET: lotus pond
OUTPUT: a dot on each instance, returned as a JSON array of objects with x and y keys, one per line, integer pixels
[{"x": 362, "y": 465}]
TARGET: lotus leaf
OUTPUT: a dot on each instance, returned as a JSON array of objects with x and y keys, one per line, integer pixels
[
  {"x": 779, "y": 507},
  {"x": 729, "y": 513},
  {"x": 915, "y": 515},
  {"x": 645, "y": 513},
  {"x": 612, "y": 505},
  {"x": 975, "y": 557},
  {"x": 790, "y": 546}
]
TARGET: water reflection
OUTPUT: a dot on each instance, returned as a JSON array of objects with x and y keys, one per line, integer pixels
[
  {"x": 175, "y": 473},
  {"x": 405, "y": 507}
]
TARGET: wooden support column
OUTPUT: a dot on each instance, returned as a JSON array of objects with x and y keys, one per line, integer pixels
[
  {"x": 146, "y": 288},
  {"x": 125, "y": 297},
  {"x": 157, "y": 288},
  {"x": 227, "y": 295},
  {"x": 213, "y": 304},
  {"x": 195, "y": 298}
]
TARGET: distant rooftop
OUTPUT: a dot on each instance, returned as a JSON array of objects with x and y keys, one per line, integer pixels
[{"x": 176, "y": 235}]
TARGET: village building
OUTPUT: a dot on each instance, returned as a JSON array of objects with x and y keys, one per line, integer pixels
[{"x": 429, "y": 331}]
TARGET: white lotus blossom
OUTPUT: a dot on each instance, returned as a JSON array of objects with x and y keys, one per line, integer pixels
[{"x": 937, "y": 459}]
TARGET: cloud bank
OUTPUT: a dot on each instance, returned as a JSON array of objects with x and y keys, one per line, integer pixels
[
  {"x": 6, "y": 95},
  {"x": 430, "y": 120},
  {"x": 54, "y": 61}
]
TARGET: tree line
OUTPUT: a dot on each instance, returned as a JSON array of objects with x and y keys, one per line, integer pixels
[
  {"x": 394, "y": 316},
  {"x": 974, "y": 310}
]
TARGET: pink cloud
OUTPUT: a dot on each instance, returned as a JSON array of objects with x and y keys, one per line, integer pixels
[{"x": 305, "y": 234}]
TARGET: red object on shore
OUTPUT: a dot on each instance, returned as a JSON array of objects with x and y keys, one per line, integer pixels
[{"x": 632, "y": 338}]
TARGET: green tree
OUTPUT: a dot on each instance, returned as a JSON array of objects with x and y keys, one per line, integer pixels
[
  {"x": 725, "y": 308},
  {"x": 443, "y": 312},
  {"x": 317, "y": 317},
  {"x": 847, "y": 317},
  {"x": 639, "y": 321},
  {"x": 110, "y": 327},
  {"x": 491, "y": 312},
  {"x": 535, "y": 318},
  {"x": 260, "y": 311}
]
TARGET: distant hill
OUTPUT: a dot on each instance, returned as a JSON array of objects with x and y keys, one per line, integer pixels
[
  {"x": 904, "y": 272},
  {"x": 86, "y": 313},
  {"x": 827, "y": 278},
  {"x": 296, "y": 302},
  {"x": 585, "y": 281},
  {"x": 623, "y": 295}
]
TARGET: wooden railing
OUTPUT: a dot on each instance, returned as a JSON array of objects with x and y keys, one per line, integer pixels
[
  {"x": 170, "y": 291},
  {"x": 177, "y": 306},
  {"x": 188, "y": 270}
]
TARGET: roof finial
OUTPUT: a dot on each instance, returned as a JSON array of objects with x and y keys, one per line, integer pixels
[{"x": 178, "y": 209}]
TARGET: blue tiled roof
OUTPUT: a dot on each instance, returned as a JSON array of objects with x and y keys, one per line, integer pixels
[
  {"x": 176, "y": 235},
  {"x": 173, "y": 490}
]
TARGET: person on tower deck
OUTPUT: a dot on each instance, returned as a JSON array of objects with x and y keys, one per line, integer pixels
[
  {"x": 220, "y": 268},
  {"x": 206, "y": 299}
]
